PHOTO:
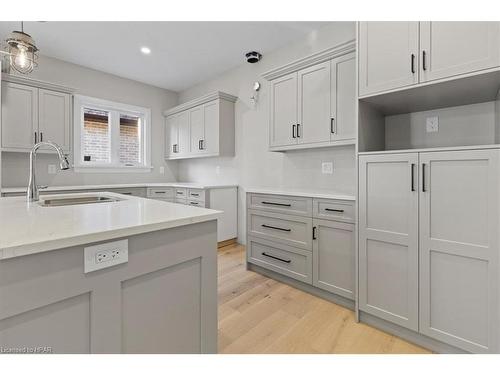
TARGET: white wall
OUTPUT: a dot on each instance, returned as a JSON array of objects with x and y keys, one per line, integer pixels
[
  {"x": 253, "y": 164},
  {"x": 106, "y": 86},
  {"x": 465, "y": 125}
]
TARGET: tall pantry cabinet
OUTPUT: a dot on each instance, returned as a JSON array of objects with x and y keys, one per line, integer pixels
[{"x": 429, "y": 243}]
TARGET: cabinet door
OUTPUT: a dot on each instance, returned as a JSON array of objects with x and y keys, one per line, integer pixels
[
  {"x": 197, "y": 129},
  {"x": 19, "y": 116},
  {"x": 211, "y": 120},
  {"x": 314, "y": 104},
  {"x": 283, "y": 111},
  {"x": 451, "y": 48},
  {"x": 333, "y": 257},
  {"x": 343, "y": 98},
  {"x": 184, "y": 137},
  {"x": 388, "y": 237},
  {"x": 459, "y": 223},
  {"x": 54, "y": 117},
  {"x": 388, "y": 55},
  {"x": 172, "y": 136}
]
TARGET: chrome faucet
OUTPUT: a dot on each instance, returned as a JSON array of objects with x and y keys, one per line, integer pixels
[{"x": 33, "y": 194}]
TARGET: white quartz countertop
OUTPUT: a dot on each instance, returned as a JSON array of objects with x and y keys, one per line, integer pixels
[
  {"x": 192, "y": 185},
  {"x": 302, "y": 192},
  {"x": 28, "y": 228}
]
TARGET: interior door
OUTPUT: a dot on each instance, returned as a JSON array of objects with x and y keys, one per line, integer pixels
[
  {"x": 388, "y": 55},
  {"x": 314, "y": 104},
  {"x": 172, "y": 136},
  {"x": 459, "y": 225},
  {"x": 451, "y": 48},
  {"x": 19, "y": 116},
  {"x": 54, "y": 117},
  {"x": 388, "y": 237},
  {"x": 283, "y": 111},
  {"x": 333, "y": 257},
  {"x": 184, "y": 137},
  {"x": 343, "y": 98},
  {"x": 197, "y": 129}
]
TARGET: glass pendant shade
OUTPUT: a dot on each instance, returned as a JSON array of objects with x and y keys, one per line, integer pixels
[{"x": 23, "y": 53}]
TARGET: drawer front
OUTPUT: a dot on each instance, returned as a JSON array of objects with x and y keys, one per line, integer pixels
[
  {"x": 180, "y": 193},
  {"x": 163, "y": 193},
  {"x": 196, "y": 194},
  {"x": 180, "y": 201},
  {"x": 286, "y": 229},
  {"x": 136, "y": 192},
  {"x": 171, "y": 200},
  {"x": 283, "y": 259},
  {"x": 280, "y": 203},
  {"x": 192, "y": 202},
  {"x": 333, "y": 210}
]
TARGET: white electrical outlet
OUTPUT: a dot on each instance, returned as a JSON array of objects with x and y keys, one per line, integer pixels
[
  {"x": 105, "y": 255},
  {"x": 432, "y": 124},
  {"x": 327, "y": 167},
  {"x": 51, "y": 169},
  {"x": 162, "y": 170}
]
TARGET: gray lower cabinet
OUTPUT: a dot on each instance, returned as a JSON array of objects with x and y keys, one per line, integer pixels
[
  {"x": 333, "y": 257},
  {"x": 307, "y": 239},
  {"x": 163, "y": 300}
]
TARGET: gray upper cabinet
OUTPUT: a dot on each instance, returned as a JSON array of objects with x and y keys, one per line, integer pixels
[
  {"x": 313, "y": 101},
  {"x": 19, "y": 116},
  {"x": 388, "y": 237},
  {"x": 201, "y": 127},
  {"x": 388, "y": 55},
  {"x": 459, "y": 246},
  {"x": 31, "y": 114},
  {"x": 394, "y": 55},
  {"x": 453, "y": 48}
]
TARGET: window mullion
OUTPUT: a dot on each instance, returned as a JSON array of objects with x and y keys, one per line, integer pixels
[{"x": 115, "y": 137}]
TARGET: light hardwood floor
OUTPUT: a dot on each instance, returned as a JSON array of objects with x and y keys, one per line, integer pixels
[{"x": 260, "y": 315}]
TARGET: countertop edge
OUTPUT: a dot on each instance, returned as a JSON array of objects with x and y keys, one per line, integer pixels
[{"x": 299, "y": 193}]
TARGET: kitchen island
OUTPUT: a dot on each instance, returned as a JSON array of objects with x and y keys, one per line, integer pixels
[{"x": 122, "y": 275}]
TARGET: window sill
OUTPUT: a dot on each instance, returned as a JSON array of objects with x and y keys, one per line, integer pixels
[{"x": 100, "y": 169}]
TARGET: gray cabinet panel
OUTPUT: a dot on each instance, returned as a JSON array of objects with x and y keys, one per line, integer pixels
[
  {"x": 281, "y": 203},
  {"x": 388, "y": 237},
  {"x": 148, "y": 299},
  {"x": 459, "y": 246},
  {"x": 286, "y": 229},
  {"x": 333, "y": 210},
  {"x": 333, "y": 257},
  {"x": 287, "y": 260}
]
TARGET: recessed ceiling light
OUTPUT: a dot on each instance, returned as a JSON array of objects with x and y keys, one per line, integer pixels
[{"x": 145, "y": 50}]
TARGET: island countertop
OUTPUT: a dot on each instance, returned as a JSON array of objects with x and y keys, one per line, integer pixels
[{"x": 29, "y": 228}]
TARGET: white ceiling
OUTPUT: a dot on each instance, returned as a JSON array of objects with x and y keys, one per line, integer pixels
[{"x": 183, "y": 53}]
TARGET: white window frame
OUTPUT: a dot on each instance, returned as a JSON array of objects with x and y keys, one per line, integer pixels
[{"x": 115, "y": 109}]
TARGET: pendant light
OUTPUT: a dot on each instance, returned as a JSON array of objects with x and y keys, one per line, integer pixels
[{"x": 22, "y": 51}]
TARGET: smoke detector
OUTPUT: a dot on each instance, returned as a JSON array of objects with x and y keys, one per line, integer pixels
[{"x": 253, "y": 57}]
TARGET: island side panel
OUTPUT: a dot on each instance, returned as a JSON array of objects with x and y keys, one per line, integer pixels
[{"x": 164, "y": 300}]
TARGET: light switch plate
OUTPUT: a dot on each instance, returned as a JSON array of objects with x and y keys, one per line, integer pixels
[
  {"x": 51, "y": 169},
  {"x": 327, "y": 167},
  {"x": 432, "y": 124},
  {"x": 105, "y": 255}
]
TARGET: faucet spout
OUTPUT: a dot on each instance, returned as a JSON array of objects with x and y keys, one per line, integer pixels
[{"x": 33, "y": 194}]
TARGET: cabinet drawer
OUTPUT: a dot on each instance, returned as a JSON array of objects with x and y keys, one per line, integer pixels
[
  {"x": 163, "y": 193},
  {"x": 287, "y": 229},
  {"x": 191, "y": 202},
  {"x": 196, "y": 194},
  {"x": 333, "y": 210},
  {"x": 180, "y": 201},
  {"x": 280, "y": 203},
  {"x": 171, "y": 200},
  {"x": 283, "y": 259},
  {"x": 180, "y": 193},
  {"x": 136, "y": 192}
]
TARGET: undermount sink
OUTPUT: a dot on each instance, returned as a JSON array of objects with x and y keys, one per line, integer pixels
[{"x": 70, "y": 201}]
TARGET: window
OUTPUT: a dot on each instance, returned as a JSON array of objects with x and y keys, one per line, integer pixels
[{"x": 111, "y": 136}]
